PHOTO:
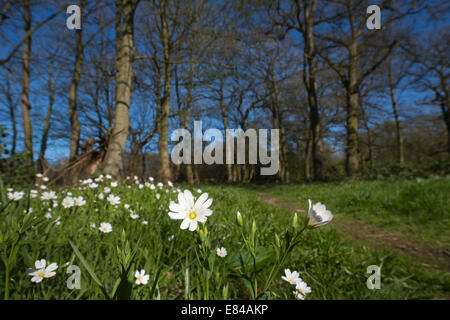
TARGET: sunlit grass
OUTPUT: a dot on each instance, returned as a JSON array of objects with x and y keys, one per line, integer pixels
[
  {"x": 421, "y": 207},
  {"x": 183, "y": 264}
]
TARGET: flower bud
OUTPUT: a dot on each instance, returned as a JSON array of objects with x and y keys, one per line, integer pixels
[
  {"x": 277, "y": 241},
  {"x": 253, "y": 227},
  {"x": 239, "y": 219}
]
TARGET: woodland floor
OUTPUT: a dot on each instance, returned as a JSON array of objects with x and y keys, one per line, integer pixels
[{"x": 371, "y": 236}]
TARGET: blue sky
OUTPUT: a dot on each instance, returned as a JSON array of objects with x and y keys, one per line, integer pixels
[{"x": 59, "y": 148}]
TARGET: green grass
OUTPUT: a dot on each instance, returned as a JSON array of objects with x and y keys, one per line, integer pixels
[
  {"x": 187, "y": 267},
  {"x": 420, "y": 209}
]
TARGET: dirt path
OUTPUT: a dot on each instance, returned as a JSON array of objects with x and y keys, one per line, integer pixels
[{"x": 375, "y": 237}]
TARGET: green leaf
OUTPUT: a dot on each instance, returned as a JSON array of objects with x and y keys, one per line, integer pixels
[
  {"x": 89, "y": 269},
  {"x": 243, "y": 259}
]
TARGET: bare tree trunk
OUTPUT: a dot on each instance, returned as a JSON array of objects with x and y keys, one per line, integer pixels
[
  {"x": 25, "y": 94},
  {"x": 143, "y": 164},
  {"x": 51, "y": 98},
  {"x": 124, "y": 63},
  {"x": 163, "y": 127},
  {"x": 352, "y": 158},
  {"x": 180, "y": 117},
  {"x": 398, "y": 125},
  {"x": 225, "y": 127},
  {"x": 277, "y": 119},
  {"x": 445, "y": 104},
  {"x": 12, "y": 114},
  {"x": 187, "y": 111},
  {"x": 369, "y": 138},
  {"x": 196, "y": 174},
  {"x": 308, "y": 156},
  {"x": 309, "y": 79},
  {"x": 73, "y": 90}
]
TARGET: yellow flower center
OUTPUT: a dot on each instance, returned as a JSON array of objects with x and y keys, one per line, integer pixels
[
  {"x": 192, "y": 215},
  {"x": 41, "y": 274}
]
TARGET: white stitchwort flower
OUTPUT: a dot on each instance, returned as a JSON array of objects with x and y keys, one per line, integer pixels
[
  {"x": 105, "y": 227},
  {"x": 318, "y": 215},
  {"x": 302, "y": 289},
  {"x": 33, "y": 193},
  {"x": 126, "y": 206},
  {"x": 48, "y": 195},
  {"x": 101, "y": 196},
  {"x": 222, "y": 252},
  {"x": 68, "y": 202},
  {"x": 134, "y": 216},
  {"x": 93, "y": 185},
  {"x": 141, "y": 277},
  {"x": 158, "y": 196},
  {"x": 107, "y": 190},
  {"x": 189, "y": 211},
  {"x": 291, "y": 277},
  {"x": 80, "y": 201},
  {"x": 113, "y": 200},
  {"x": 41, "y": 271},
  {"x": 16, "y": 195},
  {"x": 114, "y": 184},
  {"x": 145, "y": 222}
]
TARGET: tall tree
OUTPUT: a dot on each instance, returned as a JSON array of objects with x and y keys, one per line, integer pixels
[
  {"x": 73, "y": 91},
  {"x": 25, "y": 104},
  {"x": 125, "y": 10},
  {"x": 300, "y": 16},
  {"x": 355, "y": 54}
]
